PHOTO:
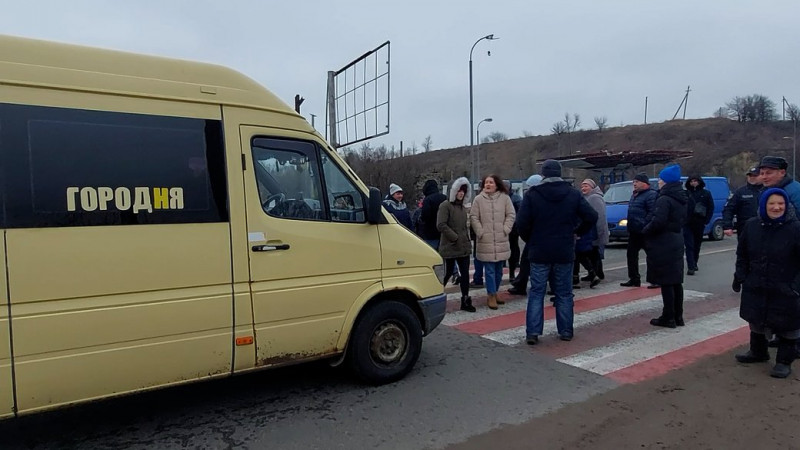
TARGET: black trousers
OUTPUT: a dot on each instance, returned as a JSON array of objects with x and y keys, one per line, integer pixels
[
  {"x": 521, "y": 281},
  {"x": 635, "y": 243},
  {"x": 672, "y": 296},
  {"x": 513, "y": 261},
  {"x": 587, "y": 260},
  {"x": 463, "y": 268},
  {"x": 598, "y": 263},
  {"x": 693, "y": 238}
]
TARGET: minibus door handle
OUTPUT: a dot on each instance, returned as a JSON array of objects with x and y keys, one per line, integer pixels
[{"x": 270, "y": 248}]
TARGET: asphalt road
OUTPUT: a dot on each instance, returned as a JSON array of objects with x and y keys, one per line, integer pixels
[{"x": 463, "y": 386}]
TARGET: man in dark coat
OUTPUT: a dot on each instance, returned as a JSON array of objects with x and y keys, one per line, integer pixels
[
  {"x": 743, "y": 204},
  {"x": 640, "y": 211},
  {"x": 768, "y": 274},
  {"x": 700, "y": 209},
  {"x": 519, "y": 286},
  {"x": 430, "y": 208},
  {"x": 551, "y": 214},
  {"x": 664, "y": 242},
  {"x": 513, "y": 237}
]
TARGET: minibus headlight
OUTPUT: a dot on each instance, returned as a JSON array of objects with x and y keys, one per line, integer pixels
[
  {"x": 623, "y": 223},
  {"x": 439, "y": 271}
]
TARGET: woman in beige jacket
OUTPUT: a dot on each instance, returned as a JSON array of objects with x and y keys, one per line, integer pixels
[{"x": 492, "y": 216}]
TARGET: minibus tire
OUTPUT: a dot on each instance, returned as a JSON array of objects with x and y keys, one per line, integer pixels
[{"x": 385, "y": 344}]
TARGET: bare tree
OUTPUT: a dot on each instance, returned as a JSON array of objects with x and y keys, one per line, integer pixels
[
  {"x": 793, "y": 112},
  {"x": 427, "y": 144},
  {"x": 559, "y": 128},
  {"x": 526, "y": 133},
  {"x": 601, "y": 122},
  {"x": 576, "y": 121},
  {"x": 497, "y": 136},
  {"x": 753, "y": 108},
  {"x": 720, "y": 113}
]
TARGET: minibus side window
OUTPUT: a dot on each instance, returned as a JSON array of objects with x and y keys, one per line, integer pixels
[
  {"x": 288, "y": 177},
  {"x": 346, "y": 201},
  {"x": 70, "y": 167}
]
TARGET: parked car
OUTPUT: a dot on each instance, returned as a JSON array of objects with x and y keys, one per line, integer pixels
[{"x": 619, "y": 194}]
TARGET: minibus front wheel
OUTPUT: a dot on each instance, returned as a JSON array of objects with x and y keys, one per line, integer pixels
[{"x": 386, "y": 342}]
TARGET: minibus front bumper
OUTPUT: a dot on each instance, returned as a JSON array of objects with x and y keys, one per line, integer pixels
[{"x": 433, "y": 311}]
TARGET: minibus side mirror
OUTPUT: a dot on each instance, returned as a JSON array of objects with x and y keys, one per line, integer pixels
[{"x": 374, "y": 214}]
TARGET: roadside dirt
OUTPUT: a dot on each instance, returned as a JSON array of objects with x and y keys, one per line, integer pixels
[{"x": 715, "y": 403}]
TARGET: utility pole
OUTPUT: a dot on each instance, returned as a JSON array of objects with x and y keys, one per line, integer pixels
[
  {"x": 645, "y": 110},
  {"x": 683, "y": 104}
]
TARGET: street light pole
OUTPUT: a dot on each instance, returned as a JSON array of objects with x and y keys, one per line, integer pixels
[
  {"x": 478, "y": 152},
  {"x": 489, "y": 37}
]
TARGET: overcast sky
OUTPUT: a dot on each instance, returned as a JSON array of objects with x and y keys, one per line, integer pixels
[{"x": 590, "y": 57}]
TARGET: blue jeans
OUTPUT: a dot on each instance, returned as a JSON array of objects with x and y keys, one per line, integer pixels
[
  {"x": 494, "y": 276},
  {"x": 560, "y": 276}
]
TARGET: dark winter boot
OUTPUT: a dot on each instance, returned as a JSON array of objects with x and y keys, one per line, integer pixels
[
  {"x": 466, "y": 304},
  {"x": 758, "y": 350},
  {"x": 784, "y": 358},
  {"x": 663, "y": 322}
]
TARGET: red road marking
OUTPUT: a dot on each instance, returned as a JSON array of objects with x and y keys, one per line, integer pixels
[
  {"x": 515, "y": 319},
  {"x": 682, "y": 357}
]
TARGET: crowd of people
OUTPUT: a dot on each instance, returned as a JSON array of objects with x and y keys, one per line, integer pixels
[{"x": 564, "y": 228}]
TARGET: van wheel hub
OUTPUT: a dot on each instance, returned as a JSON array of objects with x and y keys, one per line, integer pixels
[{"x": 388, "y": 343}]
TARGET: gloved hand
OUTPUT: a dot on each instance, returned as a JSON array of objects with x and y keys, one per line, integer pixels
[{"x": 736, "y": 286}]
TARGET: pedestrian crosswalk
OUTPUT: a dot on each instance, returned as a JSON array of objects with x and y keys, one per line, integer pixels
[{"x": 613, "y": 336}]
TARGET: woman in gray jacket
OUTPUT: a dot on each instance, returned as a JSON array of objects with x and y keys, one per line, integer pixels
[
  {"x": 594, "y": 195},
  {"x": 454, "y": 245}
]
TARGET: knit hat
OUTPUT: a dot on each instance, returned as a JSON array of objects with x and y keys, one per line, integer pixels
[
  {"x": 590, "y": 182},
  {"x": 762, "y": 205},
  {"x": 670, "y": 174},
  {"x": 551, "y": 168},
  {"x": 642, "y": 177},
  {"x": 533, "y": 180},
  {"x": 394, "y": 188}
]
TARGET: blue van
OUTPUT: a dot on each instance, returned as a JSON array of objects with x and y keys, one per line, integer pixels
[{"x": 619, "y": 194}]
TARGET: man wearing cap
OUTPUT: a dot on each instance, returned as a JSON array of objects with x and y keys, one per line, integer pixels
[
  {"x": 395, "y": 205},
  {"x": 743, "y": 204},
  {"x": 773, "y": 174},
  {"x": 550, "y": 217},
  {"x": 640, "y": 211}
]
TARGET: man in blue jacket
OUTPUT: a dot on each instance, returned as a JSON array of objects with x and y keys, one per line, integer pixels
[
  {"x": 773, "y": 174},
  {"x": 640, "y": 211},
  {"x": 550, "y": 217}
]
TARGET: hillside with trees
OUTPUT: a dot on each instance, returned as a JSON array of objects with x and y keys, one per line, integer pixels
[{"x": 724, "y": 146}]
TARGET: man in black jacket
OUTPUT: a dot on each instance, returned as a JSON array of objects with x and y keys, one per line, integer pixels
[
  {"x": 699, "y": 211},
  {"x": 743, "y": 204},
  {"x": 430, "y": 208},
  {"x": 640, "y": 211},
  {"x": 550, "y": 217}
]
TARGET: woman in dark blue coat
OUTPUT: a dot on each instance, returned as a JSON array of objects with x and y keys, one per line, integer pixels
[
  {"x": 663, "y": 240},
  {"x": 768, "y": 274}
]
